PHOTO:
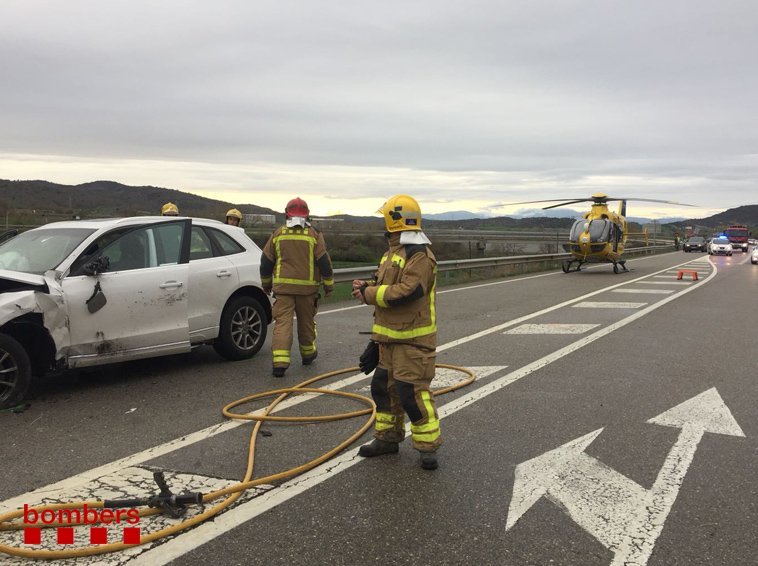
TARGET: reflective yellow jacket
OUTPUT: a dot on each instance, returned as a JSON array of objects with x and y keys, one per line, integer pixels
[
  {"x": 295, "y": 260},
  {"x": 404, "y": 295}
]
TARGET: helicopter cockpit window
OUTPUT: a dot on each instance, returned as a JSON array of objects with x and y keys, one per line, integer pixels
[
  {"x": 578, "y": 228},
  {"x": 600, "y": 230}
]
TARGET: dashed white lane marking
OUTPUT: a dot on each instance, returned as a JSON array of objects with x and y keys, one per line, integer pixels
[
  {"x": 664, "y": 282},
  {"x": 665, "y": 276},
  {"x": 648, "y": 291},
  {"x": 552, "y": 329},
  {"x": 444, "y": 377},
  {"x": 608, "y": 305}
]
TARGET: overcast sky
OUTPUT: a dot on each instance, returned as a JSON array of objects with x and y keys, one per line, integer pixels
[{"x": 462, "y": 104}]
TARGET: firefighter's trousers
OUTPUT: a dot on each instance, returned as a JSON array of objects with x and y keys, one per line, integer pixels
[
  {"x": 400, "y": 386},
  {"x": 304, "y": 306}
]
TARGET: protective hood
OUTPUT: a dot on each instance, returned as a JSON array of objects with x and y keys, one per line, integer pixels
[
  {"x": 297, "y": 221},
  {"x": 413, "y": 237}
]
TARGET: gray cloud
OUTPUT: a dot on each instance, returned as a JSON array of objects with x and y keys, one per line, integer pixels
[{"x": 569, "y": 93}]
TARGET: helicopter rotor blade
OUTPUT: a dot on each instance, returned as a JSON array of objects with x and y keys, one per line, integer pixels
[
  {"x": 651, "y": 200},
  {"x": 561, "y": 202},
  {"x": 567, "y": 203}
]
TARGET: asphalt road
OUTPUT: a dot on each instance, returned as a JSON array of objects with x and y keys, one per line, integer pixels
[{"x": 614, "y": 421}]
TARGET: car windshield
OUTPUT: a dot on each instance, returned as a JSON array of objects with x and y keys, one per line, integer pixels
[
  {"x": 37, "y": 251},
  {"x": 721, "y": 241},
  {"x": 696, "y": 240}
]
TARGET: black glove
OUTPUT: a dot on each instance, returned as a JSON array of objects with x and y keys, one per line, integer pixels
[{"x": 369, "y": 358}]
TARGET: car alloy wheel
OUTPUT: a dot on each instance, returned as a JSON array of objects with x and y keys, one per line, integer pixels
[{"x": 243, "y": 329}]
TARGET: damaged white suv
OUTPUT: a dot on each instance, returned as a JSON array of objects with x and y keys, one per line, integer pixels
[{"x": 84, "y": 293}]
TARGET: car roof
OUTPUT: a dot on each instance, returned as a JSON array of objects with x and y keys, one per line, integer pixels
[{"x": 98, "y": 223}]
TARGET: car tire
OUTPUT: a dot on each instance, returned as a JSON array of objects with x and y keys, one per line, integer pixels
[
  {"x": 15, "y": 372},
  {"x": 242, "y": 330}
]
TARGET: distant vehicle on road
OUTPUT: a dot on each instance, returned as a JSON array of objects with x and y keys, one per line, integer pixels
[
  {"x": 696, "y": 243},
  {"x": 738, "y": 235},
  {"x": 93, "y": 292},
  {"x": 754, "y": 256},
  {"x": 720, "y": 246}
]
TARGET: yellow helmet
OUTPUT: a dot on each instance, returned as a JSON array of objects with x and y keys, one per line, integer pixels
[
  {"x": 401, "y": 212},
  {"x": 235, "y": 213},
  {"x": 169, "y": 209}
]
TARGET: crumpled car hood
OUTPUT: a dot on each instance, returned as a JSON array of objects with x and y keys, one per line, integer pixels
[
  {"x": 16, "y": 281},
  {"x": 23, "y": 293}
]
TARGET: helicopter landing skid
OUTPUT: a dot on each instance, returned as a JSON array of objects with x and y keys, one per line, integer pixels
[
  {"x": 566, "y": 265},
  {"x": 616, "y": 265}
]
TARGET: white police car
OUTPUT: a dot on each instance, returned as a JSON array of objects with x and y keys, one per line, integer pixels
[
  {"x": 85, "y": 293},
  {"x": 720, "y": 246}
]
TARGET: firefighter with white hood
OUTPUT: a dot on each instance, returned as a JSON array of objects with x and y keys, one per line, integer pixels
[
  {"x": 293, "y": 265},
  {"x": 404, "y": 336}
]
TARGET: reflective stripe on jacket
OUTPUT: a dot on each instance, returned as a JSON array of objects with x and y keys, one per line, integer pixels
[
  {"x": 294, "y": 261},
  {"x": 404, "y": 295}
]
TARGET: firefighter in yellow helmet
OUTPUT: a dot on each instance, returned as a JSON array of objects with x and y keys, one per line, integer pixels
[
  {"x": 404, "y": 337},
  {"x": 169, "y": 209},
  {"x": 233, "y": 217},
  {"x": 293, "y": 265}
]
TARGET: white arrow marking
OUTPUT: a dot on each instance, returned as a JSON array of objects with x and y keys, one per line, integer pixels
[{"x": 622, "y": 515}]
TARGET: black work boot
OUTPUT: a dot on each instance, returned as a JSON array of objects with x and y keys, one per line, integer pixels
[
  {"x": 279, "y": 372},
  {"x": 378, "y": 447},
  {"x": 309, "y": 359},
  {"x": 429, "y": 460}
]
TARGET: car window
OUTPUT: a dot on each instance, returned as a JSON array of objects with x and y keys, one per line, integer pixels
[
  {"x": 37, "y": 251},
  {"x": 130, "y": 251},
  {"x": 721, "y": 240},
  {"x": 148, "y": 246},
  {"x": 95, "y": 247},
  {"x": 200, "y": 244},
  {"x": 227, "y": 244},
  {"x": 168, "y": 242}
]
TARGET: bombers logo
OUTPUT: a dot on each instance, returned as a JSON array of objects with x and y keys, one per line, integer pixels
[{"x": 81, "y": 516}]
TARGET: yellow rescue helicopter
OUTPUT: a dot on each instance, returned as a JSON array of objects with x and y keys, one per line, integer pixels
[{"x": 600, "y": 235}]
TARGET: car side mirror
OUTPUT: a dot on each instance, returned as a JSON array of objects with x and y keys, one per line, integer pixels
[
  {"x": 97, "y": 300},
  {"x": 96, "y": 266}
]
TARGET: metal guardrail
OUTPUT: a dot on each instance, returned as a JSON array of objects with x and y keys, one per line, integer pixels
[{"x": 350, "y": 273}]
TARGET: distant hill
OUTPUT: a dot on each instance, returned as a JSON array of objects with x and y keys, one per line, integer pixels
[
  {"x": 107, "y": 199},
  {"x": 20, "y": 200},
  {"x": 741, "y": 215}
]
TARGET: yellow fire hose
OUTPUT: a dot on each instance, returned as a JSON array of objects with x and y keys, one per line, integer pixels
[{"x": 232, "y": 493}]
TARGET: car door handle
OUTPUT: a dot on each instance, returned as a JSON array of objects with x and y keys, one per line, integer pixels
[
  {"x": 224, "y": 273},
  {"x": 170, "y": 284}
]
